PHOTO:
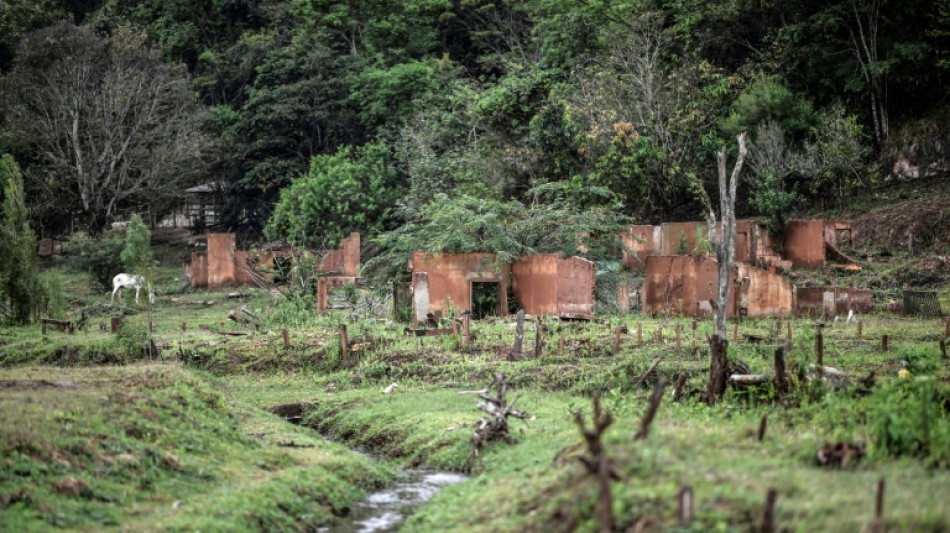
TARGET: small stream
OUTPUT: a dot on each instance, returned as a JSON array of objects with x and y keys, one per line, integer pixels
[{"x": 386, "y": 510}]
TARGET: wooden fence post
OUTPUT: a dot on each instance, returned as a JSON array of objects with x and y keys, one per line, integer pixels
[
  {"x": 560, "y": 345},
  {"x": 684, "y": 505},
  {"x": 677, "y": 335},
  {"x": 537, "y": 337},
  {"x": 617, "y": 332},
  {"x": 860, "y": 328},
  {"x": 43, "y": 326},
  {"x": 286, "y": 335},
  {"x": 116, "y": 323},
  {"x": 820, "y": 349},
  {"x": 344, "y": 345},
  {"x": 466, "y": 329},
  {"x": 884, "y": 342},
  {"x": 640, "y": 335}
]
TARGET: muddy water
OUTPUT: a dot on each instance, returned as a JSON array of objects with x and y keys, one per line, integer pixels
[{"x": 386, "y": 510}]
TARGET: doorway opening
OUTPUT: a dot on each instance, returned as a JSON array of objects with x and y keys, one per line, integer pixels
[{"x": 484, "y": 299}]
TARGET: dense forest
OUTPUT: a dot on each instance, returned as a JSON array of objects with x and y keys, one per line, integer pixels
[{"x": 452, "y": 118}]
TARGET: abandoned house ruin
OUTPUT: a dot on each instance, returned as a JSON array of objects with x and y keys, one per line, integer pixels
[
  {"x": 223, "y": 265},
  {"x": 681, "y": 277},
  {"x": 539, "y": 283}
]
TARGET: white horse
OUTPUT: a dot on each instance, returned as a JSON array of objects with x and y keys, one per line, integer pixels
[{"x": 125, "y": 281}]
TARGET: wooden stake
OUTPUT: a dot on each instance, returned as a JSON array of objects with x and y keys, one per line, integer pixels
[
  {"x": 466, "y": 329},
  {"x": 116, "y": 323},
  {"x": 537, "y": 337},
  {"x": 150, "y": 327},
  {"x": 640, "y": 335},
  {"x": 560, "y": 345},
  {"x": 946, "y": 327},
  {"x": 943, "y": 348},
  {"x": 617, "y": 332},
  {"x": 684, "y": 505},
  {"x": 184, "y": 327},
  {"x": 677, "y": 336},
  {"x": 877, "y": 525},
  {"x": 860, "y": 328},
  {"x": 820, "y": 349},
  {"x": 768, "y": 513},
  {"x": 879, "y": 502},
  {"x": 884, "y": 342},
  {"x": 763, "y": 424},
  {"x": 655, "y": 399},
  {"x": 344, "y": 345},
  {"x": 781, "y": 382},
  {"x": 659, "y": 335},
  {"x": 286, "y": 336},
  {"x": 735, "y": 332},
  {"x": 516, "y": 350},
  {"x": 43, "y": 326}
]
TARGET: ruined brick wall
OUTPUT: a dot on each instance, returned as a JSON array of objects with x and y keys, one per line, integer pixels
[
  {"x": 199, "y": 270},
  {"x": 645, "y": 241},
  {"x": 439, "y": 279},
  {"x": 534, "y": 282},
  {"x": 688, "y": 285},
  {"x": 221, "y": 251},
  {"x": 832, "y": 301},
  {"x": 804, "y": 243},
  {"x": 576, "y": 277}
]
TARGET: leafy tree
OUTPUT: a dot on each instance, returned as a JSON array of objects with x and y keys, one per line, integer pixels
[
  {"x": 766, "y": 99},
  {"x": 551, "y": 221},
  {"x": 137, "y": 253},
  {"x": 108, "y": 126},
  {"x": 344, "y": 192},
  {"x": 19, "y": 286}
]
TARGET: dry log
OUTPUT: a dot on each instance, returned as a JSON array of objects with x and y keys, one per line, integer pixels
[
  {"x": 233, "y": 315},
  {"x": 748, "y": 380}
]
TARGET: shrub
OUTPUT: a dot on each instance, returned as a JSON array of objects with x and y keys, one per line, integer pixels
[
  {"x": 51, "y": 295},
  {"x": 136, "y": 255},
  {"x": 910, "y": 419},
  {"x": 101, "y": 257}
]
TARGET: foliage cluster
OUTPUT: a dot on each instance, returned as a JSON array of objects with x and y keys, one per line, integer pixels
[{"x": 100, "y": 257}]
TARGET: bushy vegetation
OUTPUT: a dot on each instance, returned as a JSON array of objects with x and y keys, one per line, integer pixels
[
  {"x": 398, "y": 103},
  {"x": 100, "y": 257}
]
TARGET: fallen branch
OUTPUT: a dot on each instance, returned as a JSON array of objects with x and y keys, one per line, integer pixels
[{"x": 647, "y": 373}]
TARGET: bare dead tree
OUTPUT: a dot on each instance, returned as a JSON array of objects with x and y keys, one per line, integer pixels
[
  {"x": 111, "y": 125},
  {"x": 495, "y": 425},
  {"x": 596, "y": 461},
  {"x": 724, "y": 243}
]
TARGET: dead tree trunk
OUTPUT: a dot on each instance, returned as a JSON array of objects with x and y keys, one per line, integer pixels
[
  {"x": 724, "y": 243},
  {"x": 495, "y": 425},
  {"x": 597, "y": 463}
]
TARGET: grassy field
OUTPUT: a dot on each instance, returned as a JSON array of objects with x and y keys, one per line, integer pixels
[{"x": 97, "y": 433}]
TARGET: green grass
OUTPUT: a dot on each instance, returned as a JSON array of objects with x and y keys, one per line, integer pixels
[
  {"x": 207, "y": 456},
  {"x": 157, "y": 447}
]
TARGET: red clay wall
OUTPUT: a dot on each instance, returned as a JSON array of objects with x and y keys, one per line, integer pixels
[
  {"x": 534, "y": 282},
  {"x": 688, "y": 285},
  {"x": 645, "y": 241},
  {"x": 221, "y": 250},
  {"x": 575, "y": 288},
  {"x": 804, "y": 243},
  {"x": 762, "y": 293},
  {"x": 831, "y": 301},
  {"x": 199, "y": 270},
  {"x": 674, "y": 232},
  {"x": 350, "y": 247},
  {"x": 449, "y": 279}
]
